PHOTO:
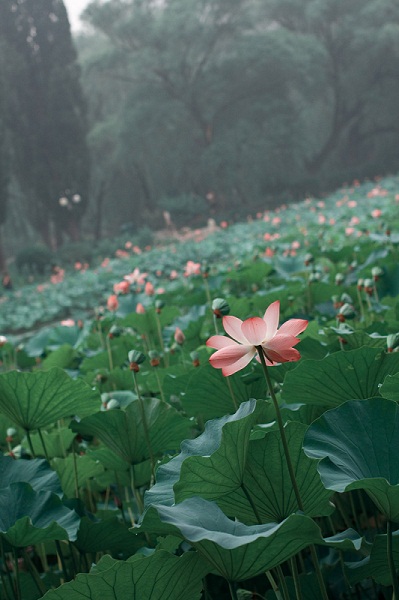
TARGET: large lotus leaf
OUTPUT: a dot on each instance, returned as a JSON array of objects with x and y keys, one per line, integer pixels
[
  {"x": 262, "y": 474},
  {"x": 339, "y": 377},
  {"x": 236, "y": 428},
  {"x": 235, "y": 550},
  {"x": 376, "y": 564},
  {"x": 206, "y": 394},
  {"x": 36, "y": 472},
  {"x": 218, "y": 474},
  {"x": 56, "y": 442},
  {"x": 358, "y": 447},
  {"x": 123, "y": 430},
  {"x": 29, "y": 517},
  {"x": 390, "y": 387},
  {"x": 86, "y": 469},
  {"x": 160, "y": 576},
  {"x": 34, "y": 400},
  {"x": 106, "y": 535}
]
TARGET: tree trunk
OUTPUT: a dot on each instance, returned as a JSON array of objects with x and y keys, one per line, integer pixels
[
  {"x": 98, "y": 218},
  {"x": 3, "y": 266}
]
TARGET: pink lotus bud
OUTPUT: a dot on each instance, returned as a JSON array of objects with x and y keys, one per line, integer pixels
[{"x": 179, "y": 336}]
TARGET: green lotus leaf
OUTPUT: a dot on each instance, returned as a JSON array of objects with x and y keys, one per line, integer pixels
[
  {"x": 86, "y": 468},
  {"x": 339, "y": 377},
  {"x": 235, "y": 550},
  {"x": 29, "y": 517},
  {"x": 234, "y": 427},
  {"x": 259, "y": 487},
  {"x": 36, "y": 472},
  {"x": 375, "y": 565},
  {"x": 390, "y": 387},
  {"x": 63, "y": 357},
  {"x": 123, "y": 432},
  {"x": 35, "y": 400},
  {"x": 160, "y": 576},
  {"x": 358, "y": 447}
]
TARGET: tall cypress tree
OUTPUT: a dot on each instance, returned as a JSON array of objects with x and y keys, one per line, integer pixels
[{"x": 47, "y": 115}]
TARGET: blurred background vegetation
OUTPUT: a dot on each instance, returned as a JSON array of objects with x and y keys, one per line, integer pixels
[{"x": 202, "y": 108}]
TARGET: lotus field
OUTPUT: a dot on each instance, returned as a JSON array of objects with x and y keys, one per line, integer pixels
[{"x": 214, "y": 418}]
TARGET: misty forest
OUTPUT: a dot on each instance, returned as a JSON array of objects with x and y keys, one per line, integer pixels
[{"x": 199, "y": 300}]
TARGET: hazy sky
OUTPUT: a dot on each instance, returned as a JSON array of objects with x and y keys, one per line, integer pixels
[{"x": 74, "y": 8}]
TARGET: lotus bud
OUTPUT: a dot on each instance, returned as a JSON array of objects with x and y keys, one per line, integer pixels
[
  {"x": 159, "y": 304},
  {"x": 353, "y": 265},
  {"x": 154, "y": 358},
  {"x": 392, "y": 341},
  {"x": 220, "y": 307},
  {"x": 360, "y": 284},
  {"x": 179, "y": 336},
  {"x": 135, "y": 359},
  {"x": 336, "y": 302},
  {"x": 377, "y": 272},
  {"x": 368, "y": 286},
  {"x": 339, "y": 278},
  {"x": 309, "y": 259},
  {"x": 112, "y": 404},
  {"x": 195, "y": 358},
  {"x": 346, "y": 311},
  {"x": 115, "y": 331},
  {"x": 140, "y": 310},
  {"x": 3, "y": 340}
]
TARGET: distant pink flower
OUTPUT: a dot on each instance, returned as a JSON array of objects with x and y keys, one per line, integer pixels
[
  {"x": 105, "y": 263},
  {"x": 267, "y": 236},
  {"x": 137, "y": 250},
  {"x": 67, "y": 323},
  {"x": 149, "y": 289},
  {"x": 349, "y": 231},
  {"x": 321, "y": 219},
  {"x": 332, "y": 221},
  {"x": 295, "y": 245},
  {"x": 224, "y": 224},
  {"x": 276, "y": 221},
  {"x": 140, "y": 310},
  {"x": 122, "y": 287},
  {"x": 248, "y": 336},
  {"x": 160, "y": 290},
  {"x": 112, "y": 302},
  {"x": 121, "y": 254},
  {"x": 269, "y": 252},
  {"x": 192, "y": 268},
  {"x": 78, "y": 265},
  {"x": 173, "y": 274},
  {"x": 136, "y": 277},
  {"x": 355, "y": 221},
  {"x": 352, "y": 203},
  {"x": 128, "y": 245},
  {"x": 376, "y": 213},
  {"x": 179, "y": 336}
]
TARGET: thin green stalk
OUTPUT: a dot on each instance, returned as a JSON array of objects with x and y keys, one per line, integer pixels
[
  {"x": 233, "y": 590},
  {"x": 159, "y": 330},
  {"x": 75, "y": 470},
  {"x": 295, "y": 575},
  {"x": 109, "y": 351},
  {"x": 283, "y": 583},
  {"x": 10, "y": 581},
  {"x": 30, "y": 443},
  {"x": 62, "y": 559},
  {"x": 391, "y": 564},
  {"x": 215, "y": 324},
  {"x": 207, "y": 291},
  {"x": 145, "y": 425},
  {"x": 232, "y": 393},
  {"x": 291, "y": 472},
  {"x": 17, "y": 577},
  {"x": 274, "y": 585},
  {"x": 4, "y": 584},
  {"x": 43, "y": 444},
  {"x": 33, "y": 571},
  {"x": 361, "y": 307}
]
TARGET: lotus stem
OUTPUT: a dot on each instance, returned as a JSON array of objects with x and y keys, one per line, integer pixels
[
  {"x": 391, "y": 564},
  {"x": 295, "y": 575},
  {"x": 233, "y": 590},
  {"x": 43, "y": 444},
  {"x": 291, "y": 468},
  {"x": 30, "y": 443}
]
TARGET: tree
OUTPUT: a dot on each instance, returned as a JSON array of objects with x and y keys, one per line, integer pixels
[{"x": 47, "y": 116}]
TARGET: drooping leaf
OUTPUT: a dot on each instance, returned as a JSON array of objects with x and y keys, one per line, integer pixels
[
  {"x": 29, "y": 517},
  {"x": 358, "y": 447},
  {"x": 235, "y": 550},
  {"x": 36, "y": 472}
]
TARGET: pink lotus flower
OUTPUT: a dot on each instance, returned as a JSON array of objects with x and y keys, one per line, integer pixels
[
  {"x": 136, "y": 277},
  {"x": 140, "y": 310},
  {"x": 149, "y": 289},
  {"x": 376, "y": 213},
  {"x": 67, "y": 323},
  {"x": 122, "y": 287},
  {"x": 192, "y": 268},
  {"x": 248, "y": 336},
  {"x": 112, "y": 302}
]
